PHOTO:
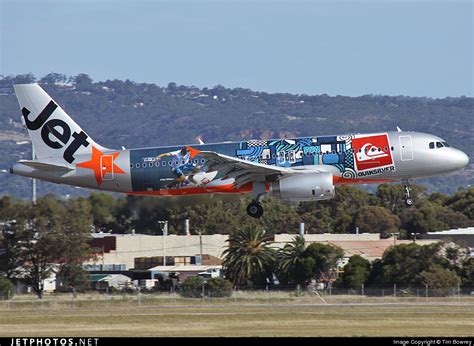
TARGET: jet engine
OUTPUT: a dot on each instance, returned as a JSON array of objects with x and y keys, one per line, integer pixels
[{"x": 311, "y": 186}]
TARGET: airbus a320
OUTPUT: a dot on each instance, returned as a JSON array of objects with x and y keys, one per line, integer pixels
[{"x": 296, "y": 169}]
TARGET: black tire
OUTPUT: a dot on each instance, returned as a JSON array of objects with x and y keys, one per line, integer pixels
[
  {"x": 255, "y": 210},
  {"x": 409, "y": 202}
]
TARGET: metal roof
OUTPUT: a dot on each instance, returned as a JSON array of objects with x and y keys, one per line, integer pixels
[
  {"x": 189, "y": 268},
  {"x": 456, "y": 231}
]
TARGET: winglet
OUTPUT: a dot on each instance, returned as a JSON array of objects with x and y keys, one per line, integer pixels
[
  {"x": 193, "y": 152},
  {"x": 399, "y": 129}
]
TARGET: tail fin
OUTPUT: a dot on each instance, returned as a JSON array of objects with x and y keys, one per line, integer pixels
[{"x": 53, "y": 133}]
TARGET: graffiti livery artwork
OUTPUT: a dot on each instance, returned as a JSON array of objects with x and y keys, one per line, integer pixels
[
  {"x": 329, "y": 150},
  {"x": 372, "y": 153},
  {"x": 354, "y": 156}
]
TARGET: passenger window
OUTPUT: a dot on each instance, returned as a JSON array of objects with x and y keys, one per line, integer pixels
[
  {"x": 431, "y": 145},
  {"x": 150, "y": 164},
  {"x": 144, "y": 165},
  {"x": 392, "y": 148},
  {"x": 137, "y": 165},
  {"x": 439, "y": 145}
]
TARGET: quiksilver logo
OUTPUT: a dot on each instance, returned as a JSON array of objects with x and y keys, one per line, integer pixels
[{"x": 57, "y": 128}]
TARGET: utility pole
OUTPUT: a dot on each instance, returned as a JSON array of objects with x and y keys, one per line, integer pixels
[
  {"x": 33, "y": 181},
  {"x": 394, "y": 235},
  {"x": 200, "y": 245},
  {"x": 414, "y": 237},
  {"x": 165, "y": 233}
]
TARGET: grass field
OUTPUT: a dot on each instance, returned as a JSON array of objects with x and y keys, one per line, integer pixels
[{"x": 267, "y": 317}]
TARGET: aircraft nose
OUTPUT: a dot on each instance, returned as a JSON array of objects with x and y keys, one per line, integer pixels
[
  {"x": 463, "y": 159},
  {"x": 459, "y": 159}
]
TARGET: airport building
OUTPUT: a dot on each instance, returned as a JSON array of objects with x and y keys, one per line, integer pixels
[{"x": 141, "y": 252}]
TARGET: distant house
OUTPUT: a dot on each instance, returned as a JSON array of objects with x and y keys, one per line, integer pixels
[{"x": 103, "y": 282}]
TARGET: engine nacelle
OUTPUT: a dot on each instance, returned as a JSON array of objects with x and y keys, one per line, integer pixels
[{"x": 304, "y": 187}]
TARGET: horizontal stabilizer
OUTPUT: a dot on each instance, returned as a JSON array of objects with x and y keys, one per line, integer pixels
[{"x": 45, "y": 166}]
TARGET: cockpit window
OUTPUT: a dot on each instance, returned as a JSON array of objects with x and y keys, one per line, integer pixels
[
  {"x": 432, "y": 145},
  {"x": 439, "y": 145},
  {"x": 446, "y": 144}
]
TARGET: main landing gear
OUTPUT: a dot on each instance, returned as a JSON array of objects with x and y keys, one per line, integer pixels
[
  {"x": 255, "y": 209},
  {"x": 408, "y": 199}
]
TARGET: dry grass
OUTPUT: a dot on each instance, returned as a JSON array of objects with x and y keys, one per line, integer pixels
[{"x": 259, "y": 316}]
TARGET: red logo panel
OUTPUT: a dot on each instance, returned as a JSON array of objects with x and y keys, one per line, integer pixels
[{"x": 372, "y": 152}]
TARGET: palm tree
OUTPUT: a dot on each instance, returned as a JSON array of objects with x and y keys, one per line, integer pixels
[
  {"x": 249, "y": 257},
  {"x": 295, "y": 266}
]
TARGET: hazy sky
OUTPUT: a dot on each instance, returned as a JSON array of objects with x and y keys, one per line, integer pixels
[{"x": 415, "y": 48}]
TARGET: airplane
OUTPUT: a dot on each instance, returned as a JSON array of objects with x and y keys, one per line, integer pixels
[{"x": 295, "y": 170}]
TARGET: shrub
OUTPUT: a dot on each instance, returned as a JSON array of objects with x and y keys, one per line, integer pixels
[
  {"x": 191, "y": 287},
  {"x": 218, "y": 287},
  {"x": 7, "y": 290}
]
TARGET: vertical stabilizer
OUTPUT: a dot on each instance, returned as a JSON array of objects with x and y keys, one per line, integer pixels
[{"x": 52, "y": 131}]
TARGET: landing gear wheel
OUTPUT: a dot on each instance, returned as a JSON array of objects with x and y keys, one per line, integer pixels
[
  {"x": 409, "y": 202},
  {"x": 255, "y": 210}
]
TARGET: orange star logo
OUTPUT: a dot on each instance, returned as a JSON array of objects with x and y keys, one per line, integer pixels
[
  {"x": 101, "y": 164},
  {"x": 193, "y": 152}
]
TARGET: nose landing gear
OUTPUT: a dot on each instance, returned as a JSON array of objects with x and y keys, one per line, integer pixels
[{"x": 408, "y": 199}]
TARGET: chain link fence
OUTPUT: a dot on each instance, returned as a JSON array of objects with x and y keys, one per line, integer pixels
[{"x": 282, "y": 295}]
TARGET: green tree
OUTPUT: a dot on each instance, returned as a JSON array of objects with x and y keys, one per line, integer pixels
[
  {"x": 432, "y": 217},
  {"x": 325, "y": 258},
  {"x": 356, "y": 273},
  {"x": 102, "y": 206},
  {"x": 374, "y": 219},
  {"x": 467, "y": 272},
  {"x": 294, "y": 266},
  {"x": 73, "y": 277},
  {"x": 249, "y": 259},
  {"x": 463, "y": 202},
  {"x": 439, "y": 279},
  {"x": 392, "y": 196},
  {"x": 45, "y": 236},
  {"x": 402, "y": 264},
  {"x": 53, "y": 78}
]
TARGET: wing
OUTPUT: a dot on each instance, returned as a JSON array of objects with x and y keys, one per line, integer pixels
[{"x": 243, "y": 171}]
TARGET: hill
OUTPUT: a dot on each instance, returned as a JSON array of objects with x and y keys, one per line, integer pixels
[{"x": 125, "y": 113}]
